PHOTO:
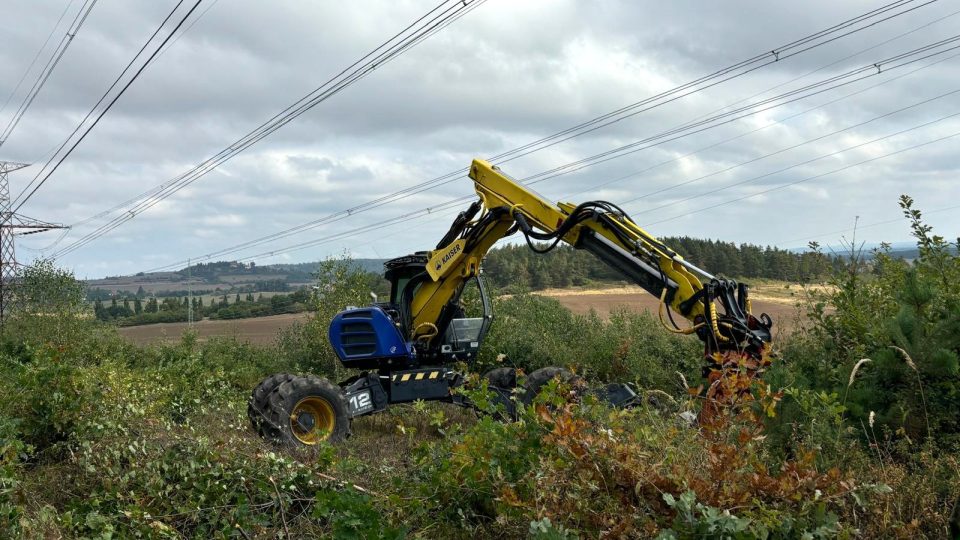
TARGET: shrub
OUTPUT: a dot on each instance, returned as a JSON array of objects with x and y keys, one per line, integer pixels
[
  {"x": 905, "y": 318},
  {"x": 160, "y": 447},
  {"x": 48, "y": 302},
  {"x": 48, "y": 396},
  {"x": 629, "y": 473},
  {"x": 13, "y": 452},
  {"x": 99, "y": 438},
  {"x": 533, "y": 332},
  {"x": 195, "y": 488},
  {"x": 340, "y": 283}
]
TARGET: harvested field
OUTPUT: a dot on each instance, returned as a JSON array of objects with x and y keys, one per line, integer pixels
[
  {"x": 260, "y": 330},
  {"x": 784, "y": 313},
  {"x": 264, "y": 330}
]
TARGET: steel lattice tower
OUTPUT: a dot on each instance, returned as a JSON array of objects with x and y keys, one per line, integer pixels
[{"x": 12, "y": 225}]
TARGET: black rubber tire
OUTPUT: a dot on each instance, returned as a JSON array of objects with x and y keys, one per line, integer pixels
[
  {"x": 502, "y": 377},
  {"x": 285, "y": 397},
  {"x": 542, "y": 376},
  {"x": 505, "y": 379},
  {"x": 257, "y": 403}
]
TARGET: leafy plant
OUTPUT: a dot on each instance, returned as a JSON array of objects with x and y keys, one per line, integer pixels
[
  {"x": 905, "y": 318},
  {"x": 531, "y": 332},
  {"x": 100, "y": 439},
  {"x": 339, "y": 283}
]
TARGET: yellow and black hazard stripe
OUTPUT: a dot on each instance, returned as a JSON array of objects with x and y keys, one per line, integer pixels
[{"x": 415, "y": 376}]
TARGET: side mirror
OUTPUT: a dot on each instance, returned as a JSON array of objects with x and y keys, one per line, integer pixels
[{"x": 373, "y": 296}]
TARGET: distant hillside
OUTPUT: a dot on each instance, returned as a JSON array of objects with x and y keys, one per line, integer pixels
[
  {"x": 216, "y": 277},
  {"x": 908, "y": 253},
  {"x": 367, "y": 265},
  {"x": 510, "y": 266}
]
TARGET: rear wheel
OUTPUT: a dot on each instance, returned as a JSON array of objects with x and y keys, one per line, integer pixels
[
  {"x": 257, "y": 403},
  {"x": 539, "y": 378},
  {"x": 308, "y": 410}
]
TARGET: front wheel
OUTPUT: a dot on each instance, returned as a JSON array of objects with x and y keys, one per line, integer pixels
[
  {"x": 502, "y": 382},
  {"x": 539, "y": 378},
  {"x": 502, "y": 377},
  {"x": 257, "y": 403},
  {"x": 307, "y": 411}
]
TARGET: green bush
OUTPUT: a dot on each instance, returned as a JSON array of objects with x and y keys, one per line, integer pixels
[
  {"x": 632, "y": 473},
  {"x": 157, "y": 317},
  {"x": 200, "y": 489},
  {"x": 47, "y": 307},
  {"x": 101, "y": 439},
  {"x": 904, "y": 319},
  {"x": 13, "y": 453},
  {"x": 159, "y": 446},
  {"x": 533, "y": 332},
  {"x": 340, "y": 283},
  {"x": 48, "y": 396}
]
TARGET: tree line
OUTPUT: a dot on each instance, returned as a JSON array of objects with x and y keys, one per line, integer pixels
[
  {"x": 134, "y": 311},
  {"x": 520, "y": 268},
  {"x": 508, "y": 268},
  {"x": 266, "y": 285}
]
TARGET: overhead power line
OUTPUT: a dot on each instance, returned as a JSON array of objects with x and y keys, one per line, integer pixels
[
  {"x": 188, "y": 28},
  {"x": 40, "y": 177},
  {"x": 594, "y": 187},
  {"x": 589, "y": 125},
  {"x": 435, "y": 20},
  {"x": 822, "y": 37},
  {"x": 801, "y": 163},
  {"x": 159, "y": 189},
  {"x": 418, "y": 213},
  {"x": 396, "y": 220},
  {"x": 821, "y": 235},
  {"x": 739, "y": 69},
  {"x": 458, "y": 202},
  {"x": 36, "y": 57},
  {"x": 867, "y": 226},
  {"x": 441, "y": 210},
  {"x": 744, "y": 67},
  {"x": 408, "y": 216},
  {"x": 903, "y": 60},
  {"x": 48, "y": 68},
  {"x": 787, "y": 149},
  {"x": 919, "y": 54},
  {"x": 833, "y": 63},
  {"x": 814, "y": 177}
]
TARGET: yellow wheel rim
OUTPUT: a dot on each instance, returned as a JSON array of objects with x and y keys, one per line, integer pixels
[{"x": 312, "y": 420}]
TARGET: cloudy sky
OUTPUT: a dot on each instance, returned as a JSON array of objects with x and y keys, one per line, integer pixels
[{"x": 506, "y": 74}]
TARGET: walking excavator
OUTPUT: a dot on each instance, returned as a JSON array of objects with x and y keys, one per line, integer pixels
[{"x": 405, "y": 349}]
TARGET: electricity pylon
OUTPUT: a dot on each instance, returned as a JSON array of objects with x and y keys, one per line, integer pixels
[{"x": 12, "y": 225}]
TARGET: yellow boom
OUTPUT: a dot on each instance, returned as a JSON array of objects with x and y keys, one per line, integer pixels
[{"x": 505, "y": 206}]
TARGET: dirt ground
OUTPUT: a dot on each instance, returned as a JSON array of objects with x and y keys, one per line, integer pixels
[
  {"x": 784, "y": 313},
  {"x": 264, "y": 330},
  {"x": 259, "y": 330}
]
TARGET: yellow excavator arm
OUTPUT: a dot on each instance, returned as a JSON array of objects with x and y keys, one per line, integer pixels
[
  {"x": 410, "y": 339},
  {"x": 718, "y": 309}
]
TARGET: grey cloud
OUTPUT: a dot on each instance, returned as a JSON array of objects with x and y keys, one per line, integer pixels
[{"x": 508, "y": 73}]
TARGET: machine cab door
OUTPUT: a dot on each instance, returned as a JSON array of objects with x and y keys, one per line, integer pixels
[{"x": 470, "y": 316}]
